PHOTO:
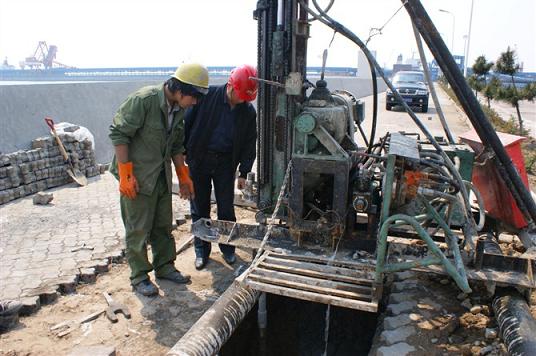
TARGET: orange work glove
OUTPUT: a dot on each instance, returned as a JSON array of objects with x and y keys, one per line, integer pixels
[
  {"x": 186, "y": 186},
  {"x": 128, "y": 185}
]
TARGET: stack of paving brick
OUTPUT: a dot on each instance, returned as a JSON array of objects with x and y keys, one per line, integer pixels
[{"x": 27, "y": 172}]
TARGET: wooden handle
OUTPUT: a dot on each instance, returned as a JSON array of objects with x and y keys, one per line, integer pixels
[{"x": 50, "y": 124}]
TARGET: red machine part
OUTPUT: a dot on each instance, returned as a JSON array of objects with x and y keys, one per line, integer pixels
[{"x": 498, "y": 200}]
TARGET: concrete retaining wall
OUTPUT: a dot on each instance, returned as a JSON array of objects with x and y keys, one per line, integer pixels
[{"x": 89, "y": 104}]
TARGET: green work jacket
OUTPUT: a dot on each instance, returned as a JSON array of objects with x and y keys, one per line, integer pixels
[{"x": 141, "y": 123}]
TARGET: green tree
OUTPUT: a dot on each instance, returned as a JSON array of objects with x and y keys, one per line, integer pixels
[
  {"x": 506, "y": 64},
  {"x": 475, "y": 83},
  {"x": 491, "y": 89},
  {"x": 481, "y": 68},
  {"x": 529, "y": 92}
]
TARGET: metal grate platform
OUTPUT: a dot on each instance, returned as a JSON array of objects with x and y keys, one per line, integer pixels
[{"x": 341, "y": 283}]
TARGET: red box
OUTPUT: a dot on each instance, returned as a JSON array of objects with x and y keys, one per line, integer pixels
[{"x": 498, "y": 201}]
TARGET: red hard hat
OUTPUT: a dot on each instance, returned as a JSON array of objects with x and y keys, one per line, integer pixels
[{"x": 245, "y": 88}]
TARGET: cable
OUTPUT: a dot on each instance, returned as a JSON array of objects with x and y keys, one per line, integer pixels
[
  {"x": 379, "y": 30},
  {"x": 325, "y": 10}
]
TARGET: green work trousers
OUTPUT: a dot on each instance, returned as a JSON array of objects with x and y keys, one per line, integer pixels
[{"x": 147, "y": 220}]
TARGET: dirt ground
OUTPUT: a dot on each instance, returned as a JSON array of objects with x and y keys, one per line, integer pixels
[{"x": 156, "y": 323}]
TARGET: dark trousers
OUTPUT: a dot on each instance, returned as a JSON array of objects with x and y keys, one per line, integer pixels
[{"x": 218, "y": 169}]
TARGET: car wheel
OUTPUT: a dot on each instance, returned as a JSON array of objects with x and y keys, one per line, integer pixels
[{"x": 387, "y": 107}]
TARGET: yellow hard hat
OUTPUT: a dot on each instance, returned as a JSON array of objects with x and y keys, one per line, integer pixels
[{"x": 194, "y": 74}]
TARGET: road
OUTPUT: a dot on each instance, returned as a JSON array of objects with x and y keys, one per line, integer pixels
[
  {"x": 527, "y": 109},
  {"x": 398, "y": 120}
]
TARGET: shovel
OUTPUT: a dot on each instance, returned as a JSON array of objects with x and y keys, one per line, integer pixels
[{"x": 75, "y": 174}]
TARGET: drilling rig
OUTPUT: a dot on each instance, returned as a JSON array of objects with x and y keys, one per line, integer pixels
[{"x": 331, "y": 211}]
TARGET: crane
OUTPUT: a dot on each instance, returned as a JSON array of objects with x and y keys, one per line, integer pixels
[{"x": 44, "y": 57}]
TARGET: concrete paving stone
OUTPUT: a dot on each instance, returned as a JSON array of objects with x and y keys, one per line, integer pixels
[
  {"x": 117, "y": 256},
  {"x": 89, "y": 214},
  {"x": 394, "y": 322},
  {"x": 47, "y": 295},
  {"x": 67, "y": 284},
  {"x": 69, "y": 272},
  {"x": 100, "y": 266},
  {"x": 395, "y": 298},
  {"x": 88, "y": 275},
  {"x": 20, "y": 273},
  {"x": 400, "y": 276},
  {"x": 83, "y": 255},
  {"x": 32, "y": 282},
  {"x": 38, "y": 257},
  {"x": 10, "y": 293},
  {"x": 59, "y": 256},
  {"x": 39, "y": 249},
  {"x": 12, "y": 281},
  {"x": 398, "y": 308},
  {"x": 21, "y": 256},
  {"x": 54, "y": 250},
  {"x": 399, "y": 349},
  {"x": 30, "y": 305},
  {"x": 390, "y": 337},
  {"x": 403, "y": 285},
  {"x": 68, "y": 262}
]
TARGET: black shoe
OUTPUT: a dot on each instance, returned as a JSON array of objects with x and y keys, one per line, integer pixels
[
  {"x": 230, "y": 259},
  {"x": 146, "y": 288},
  {"x": 176, "y": 277},
  {"x": 200, "y": 262}
]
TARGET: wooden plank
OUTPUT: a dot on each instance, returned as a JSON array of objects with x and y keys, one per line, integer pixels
[
  {"x": 315, "y": 274},
  {"x": 323, "y": 260},
  {"x": 314, "y": 297},
  {"x": 331, "y": 271},
  {"x": 340, "y": 286},
  {"x": 307, "y": 287}
]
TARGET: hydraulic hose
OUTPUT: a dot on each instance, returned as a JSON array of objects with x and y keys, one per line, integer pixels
[{"x": 374, "y": 106}]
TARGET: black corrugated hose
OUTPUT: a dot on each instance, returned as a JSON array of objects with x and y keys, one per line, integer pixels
[{"x": 516, "y": 324}]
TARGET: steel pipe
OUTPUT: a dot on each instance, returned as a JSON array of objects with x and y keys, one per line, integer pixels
[{"x": 215, "y": 327}]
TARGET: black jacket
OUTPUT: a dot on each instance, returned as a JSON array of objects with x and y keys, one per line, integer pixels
[{"x": 200, "y": 121}]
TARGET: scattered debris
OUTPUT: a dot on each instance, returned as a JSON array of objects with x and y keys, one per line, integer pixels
[
  {"x": 66, "y": 327},
  {"x": 491, "y": 333},
  {"x": 83, "y": 247},
  {"x": 42, "y": 198}
]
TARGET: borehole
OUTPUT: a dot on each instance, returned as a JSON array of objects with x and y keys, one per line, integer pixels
[{"x": 297, "y": 327}]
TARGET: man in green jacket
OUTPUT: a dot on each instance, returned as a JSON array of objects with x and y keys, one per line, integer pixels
[{"x": 147, "y": 133}]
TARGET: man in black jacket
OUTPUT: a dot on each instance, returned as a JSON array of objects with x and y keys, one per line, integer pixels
[{"x": 220, "y": 136}]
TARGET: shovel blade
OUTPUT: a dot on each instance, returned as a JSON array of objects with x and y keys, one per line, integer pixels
[{"x": 77, "y": 176}]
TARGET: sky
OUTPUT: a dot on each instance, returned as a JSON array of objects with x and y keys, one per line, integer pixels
[{"x": 142, "y": 33}]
